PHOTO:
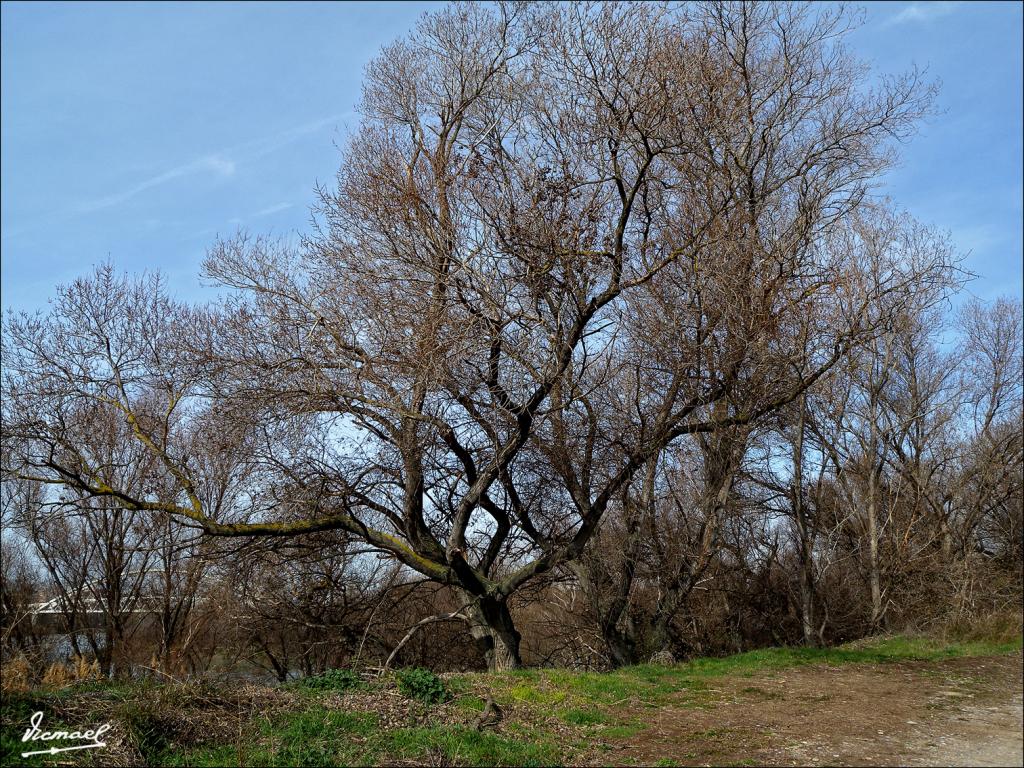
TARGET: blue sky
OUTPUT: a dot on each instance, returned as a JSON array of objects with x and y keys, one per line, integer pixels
[{"x": 138, "y": 133}]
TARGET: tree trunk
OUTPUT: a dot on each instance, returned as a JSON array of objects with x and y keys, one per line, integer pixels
[
  {"x": 873, "y": 566},
  {"x": 280, "y": 668},
  {"x": 660, "y": 637},
  {"x": 611, "y": 612},
  {"x": 804, "y": 532},
  {"x": 876, "y": 441},
  {"x": 947, "y": 539},
  {"x": 621, "y": 645},
  {"x": 811, "y": 635},
  {"x": 491, "y": 625}
]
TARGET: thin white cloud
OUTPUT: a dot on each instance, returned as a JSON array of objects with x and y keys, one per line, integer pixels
[
  {"x": 257, "y": 148},
  {"x": 922, "y": 12},
  {"x": 272, "y": 209},
  {"x": 221, "y": 164},
  {"x": 215, "y": 164},
  {"x": 268, "y": 211}
]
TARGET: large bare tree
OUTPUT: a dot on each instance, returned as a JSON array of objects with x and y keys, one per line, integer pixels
[{"x": 562, "y": 238}]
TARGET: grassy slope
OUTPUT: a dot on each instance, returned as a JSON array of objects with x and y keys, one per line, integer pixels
[{"x": 551, "y": 715}]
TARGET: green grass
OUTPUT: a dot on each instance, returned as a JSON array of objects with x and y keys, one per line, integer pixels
[
  {"x": 592, "y": 711},
  {"x": 332, "y": 680},
  {"x": 584, "y": 717},
  {"x": 315, "y": 737},
  {"x": 619, "y": 732},
  {"x": 320, "y": 737},
  {"x": 468, "y": 746},
  {"x": 222, "y": 755},
  {"x": 592, "y": 698}
]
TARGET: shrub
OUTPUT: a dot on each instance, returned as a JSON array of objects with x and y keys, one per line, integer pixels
[
  {"x": 76, "y": 670},
  {"x": 333, "y": 680},
  {"x": 421, "y": 684},
  {"x": 15, "y": 674}
]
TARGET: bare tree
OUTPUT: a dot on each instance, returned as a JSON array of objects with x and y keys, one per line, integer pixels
[
  {"x": 21, "y": 584},
  {"x": 306, "y": 607},
  {"x": 562, "y": 239}
]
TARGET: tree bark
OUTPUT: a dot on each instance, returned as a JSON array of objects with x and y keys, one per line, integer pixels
[
  {"x": 491, "y": 626},
  {"x": 621, "y": 646},
  {"x": 874, "y": 571},
  {"x": 807, "y": 619}
]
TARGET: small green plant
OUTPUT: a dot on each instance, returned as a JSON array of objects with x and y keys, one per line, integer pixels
[
  {"x": 333, "y": 680},
  {"x": 421, "y": 684},
  {"x": 584, "y": 717}
]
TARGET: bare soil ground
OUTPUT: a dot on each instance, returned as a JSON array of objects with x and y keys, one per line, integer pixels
[{"x": 963, "y": 711}]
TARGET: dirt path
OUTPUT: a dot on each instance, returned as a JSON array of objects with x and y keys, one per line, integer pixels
[{"x": 957, "y": 712}]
